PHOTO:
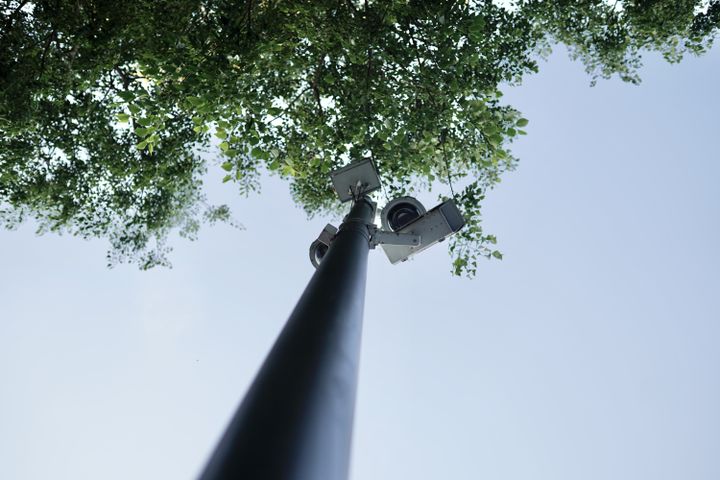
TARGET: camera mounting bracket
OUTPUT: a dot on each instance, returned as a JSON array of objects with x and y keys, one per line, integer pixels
[{"x": 384, "y": 237}]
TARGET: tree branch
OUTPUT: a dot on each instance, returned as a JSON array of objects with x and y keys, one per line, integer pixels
[
  {"x": 46, "y": 49},
  {"x": 123, "y": 76}
]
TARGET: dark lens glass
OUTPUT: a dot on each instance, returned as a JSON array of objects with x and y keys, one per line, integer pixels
[
  {"x": 320, "y": 252},
  {"x": 402, "y": 214}
]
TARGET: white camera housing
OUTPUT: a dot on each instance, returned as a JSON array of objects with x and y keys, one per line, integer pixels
[{"x": 431, "y": 227}]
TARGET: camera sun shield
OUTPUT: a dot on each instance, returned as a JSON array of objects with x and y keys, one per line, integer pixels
[{"x": 347, "y": 179}]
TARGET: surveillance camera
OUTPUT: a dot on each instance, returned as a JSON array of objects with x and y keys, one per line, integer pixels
[
  {"x": 407, "y": 216},
  {"x": 399, "y": 212},
  {"x": 319, "y": 247}
]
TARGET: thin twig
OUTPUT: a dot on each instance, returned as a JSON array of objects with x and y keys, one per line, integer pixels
[
  {"x": 447, "y": 163},
  {"x": 292, "y": 102}
]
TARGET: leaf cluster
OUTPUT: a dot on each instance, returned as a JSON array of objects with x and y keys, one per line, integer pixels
[{"x": 105, "y": 106}]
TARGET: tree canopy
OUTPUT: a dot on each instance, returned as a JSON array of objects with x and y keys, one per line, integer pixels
[{"x": 106, "y": 106}]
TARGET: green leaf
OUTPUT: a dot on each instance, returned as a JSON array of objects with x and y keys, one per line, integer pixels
[
  {"x": 257, "y": 152},
  {"x": 224, "y": 146},
  {"x": 134, "y": 109},
  {"x": 495, "y": 140},
  {"x": 521, "y": 122},
  {"x": 221, "y": 134},
  {"x": 477, "y": 28},
  {"x": 227, "y": 178},
  {"x": 145, "y": 122},
  {"x": 127, "y": 96},
  {"x": 195, "y": 101},
  {"x": 123, "y": 117},
  {"x": 497, "y": 254},
  {"x": 141, "y": 132},
  {"x": 142, "y": 145},
  {"x": 227, "y": 166}
]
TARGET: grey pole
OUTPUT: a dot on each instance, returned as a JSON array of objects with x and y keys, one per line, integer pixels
[{"x": 296, "y": 420}]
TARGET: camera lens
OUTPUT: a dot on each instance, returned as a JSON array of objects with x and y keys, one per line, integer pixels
[{"x": 402, "y": 214}]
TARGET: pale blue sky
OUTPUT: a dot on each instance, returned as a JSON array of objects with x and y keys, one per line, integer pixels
[{"x": 591, "y": 351}]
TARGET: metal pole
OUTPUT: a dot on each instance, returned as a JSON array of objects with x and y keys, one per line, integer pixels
[{"x": 295, "y": 422}]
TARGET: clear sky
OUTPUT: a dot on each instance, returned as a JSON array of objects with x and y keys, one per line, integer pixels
[{"x": 592, "y": 351}]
